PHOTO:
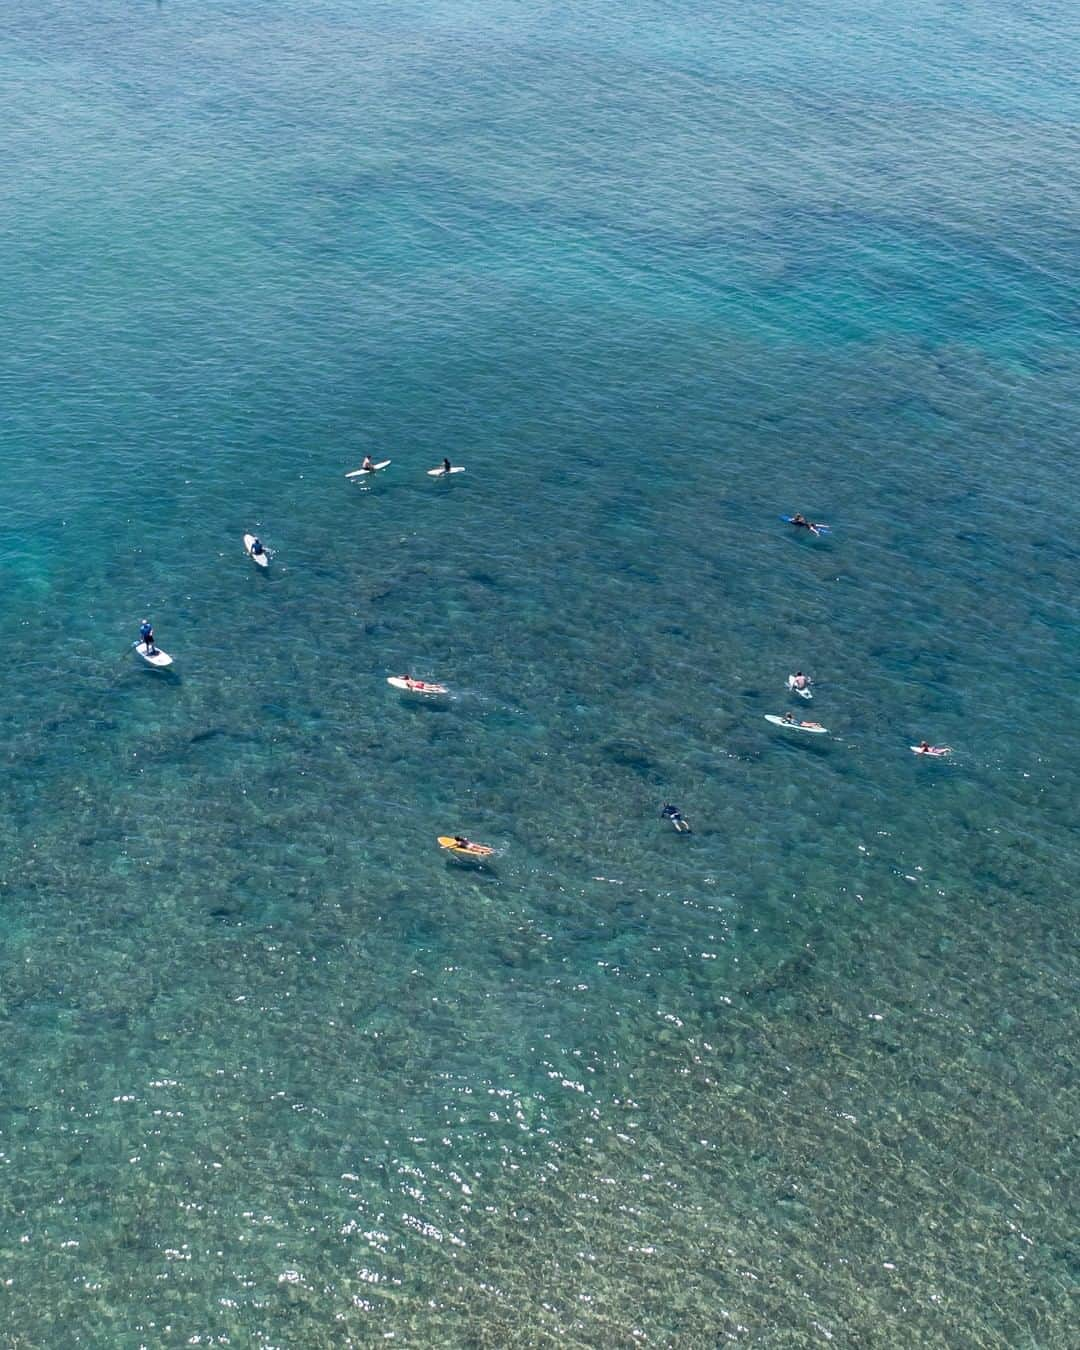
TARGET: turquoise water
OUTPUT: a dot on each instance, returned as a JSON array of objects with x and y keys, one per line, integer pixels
[{"x": 277, "y": 1073}]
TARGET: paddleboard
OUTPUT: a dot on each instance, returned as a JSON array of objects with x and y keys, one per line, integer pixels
[
  {"x": 440, "y": 472},
  {"x": 938, "y": 751},
  {"x": 802, "y": 693},
  {"x": 156, "y": 658},
  {"x": 415, "y": 686},
  {"x": 450, "y": 844},
  {"x": 363, "y": 473},
  {"x": 813, "y": 728},
  {"x": 259, "y": 559},
  {"x": 821, "y": 529}
]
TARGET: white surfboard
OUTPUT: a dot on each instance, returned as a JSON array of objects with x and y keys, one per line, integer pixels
[
  {"x": 802, "y": 693},
  {"x": 259, "y": 559},
  {"x": 440, "y": 472},
  {"x": 815, "y": 730},
  {"x": 156, "y": 658},
  {"x": 938, "y": 751},
  {"x": 411, "y": 686},
  {"x": 363, "y": 473}
]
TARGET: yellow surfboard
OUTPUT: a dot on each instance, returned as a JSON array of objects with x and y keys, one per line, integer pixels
[{"x": 450, "y": 843}]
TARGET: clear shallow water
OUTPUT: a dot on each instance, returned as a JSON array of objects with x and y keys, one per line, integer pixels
[{"x": 274, "y": 1070}]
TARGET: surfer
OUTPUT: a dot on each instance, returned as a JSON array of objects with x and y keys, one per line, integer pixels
[
  {"x": 446, "y": 466},
  {"x": 257, "y": 549},
  {"x": 800, "y": 522},
  {"x": 679, "y": 822},
  {"x": 925, "y": 748},
  {"x": 800, "y": 681},
  {"x": 368, "y": 465},
  {"x": 146, "y": 636},
  {"x": 462, "y": 847},
  {"x": 789, "y": 718}
]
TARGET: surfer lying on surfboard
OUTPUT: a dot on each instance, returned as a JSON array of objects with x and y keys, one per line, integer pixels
[
  {"x": 925, "y": 748},
  {"x": 789, "y": 720},
  {"x": 801, "y": 523},
  {"x": 679, "y": 822},
  {"x": 464, "y": 848},
  {"x": 416, "y": 686}
]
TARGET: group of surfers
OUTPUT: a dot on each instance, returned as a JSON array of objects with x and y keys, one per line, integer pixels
[
  {"x": 461, "y": 846},
  {"x": 369, "y": 465}
]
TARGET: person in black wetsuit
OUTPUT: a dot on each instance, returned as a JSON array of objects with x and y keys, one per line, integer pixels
[
  {"x": 801, "y": 523},
  {"x": 678, "y": 821}
]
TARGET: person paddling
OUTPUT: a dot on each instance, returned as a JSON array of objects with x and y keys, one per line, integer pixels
[
  {"x": 800, "y": 522},
  {"x": 146, "y": 636},
  {"x": 678, "y": 821}
]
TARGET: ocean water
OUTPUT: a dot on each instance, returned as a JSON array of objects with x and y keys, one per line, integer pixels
[{"x": 276, "y": 1072}]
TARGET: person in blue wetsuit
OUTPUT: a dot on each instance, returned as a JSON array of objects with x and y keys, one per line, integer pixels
[
  {"x": 146, "y": 636},
  {"x": 257, "y": 549}
]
